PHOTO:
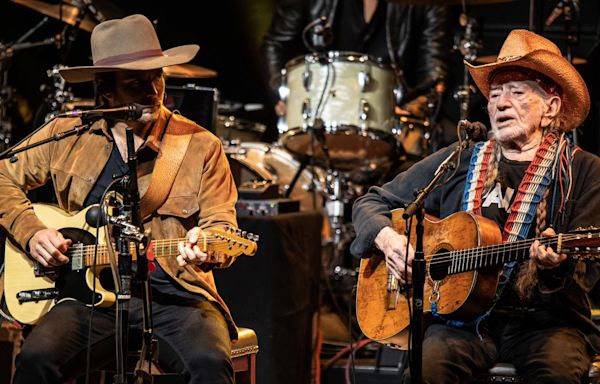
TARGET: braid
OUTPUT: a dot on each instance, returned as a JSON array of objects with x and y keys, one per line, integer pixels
[
  {"x": 492, "y": 173},
  {"x": 527, "y": 277}
]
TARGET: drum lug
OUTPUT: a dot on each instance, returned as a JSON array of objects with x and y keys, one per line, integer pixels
[
  {"x": 283, "y": 89},
  {"x": 306, "y": 112},
  {"x": 307, "y": 79},
  {"x": 364, "y": 79},
  {"x": 399, "y": 94},
  {"x": 363, "y": 112}
]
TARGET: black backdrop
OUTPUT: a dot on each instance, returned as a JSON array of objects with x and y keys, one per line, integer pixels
[{"x": 229, "y": 32}]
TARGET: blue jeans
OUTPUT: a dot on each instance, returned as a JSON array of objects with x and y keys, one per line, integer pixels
[{"x": 193, "y": 340}]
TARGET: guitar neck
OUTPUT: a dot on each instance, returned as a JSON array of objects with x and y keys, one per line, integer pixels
[
  {"x": 471, "y": 259},
  {"x": 160, "y": 248}
]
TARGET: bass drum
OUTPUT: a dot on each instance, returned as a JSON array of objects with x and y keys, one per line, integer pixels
[{"x": 252, "y": 161}]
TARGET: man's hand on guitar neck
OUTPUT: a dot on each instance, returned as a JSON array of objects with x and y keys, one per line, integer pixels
[
  {"x": 48, "y": 247},
  {"x": 545, "y": 257},
  {"x": 393, "y": 246},
  {"x": 190, "y": 253}
]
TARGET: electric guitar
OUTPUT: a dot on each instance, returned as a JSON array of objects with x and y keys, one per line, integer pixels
[
  {"x": 30, "y": 289},
  {"x": 464, "y": 254}
]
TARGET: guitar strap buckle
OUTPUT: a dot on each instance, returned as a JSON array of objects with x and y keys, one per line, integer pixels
[{"x": 435, "y": 293}]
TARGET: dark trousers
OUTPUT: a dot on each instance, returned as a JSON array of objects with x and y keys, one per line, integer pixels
[
  {"x": 540, "y": 352},
  {"x": 193, "y": 340}
]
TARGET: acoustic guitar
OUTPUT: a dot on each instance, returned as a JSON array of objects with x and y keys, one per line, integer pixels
[
  {"x": 30, "y": 289},
  {"x": 464, "y": 255}
]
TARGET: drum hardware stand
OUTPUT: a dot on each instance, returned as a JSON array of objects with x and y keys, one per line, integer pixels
[
  {"x": 337, "y": 198},
  {"x": 434, "y": 134},
  {"x": 57, "y": 95},
  {"x": 6, "y": 91},
  {"x": 467, "y": 44},
  {"x": 566, "y": 8}
]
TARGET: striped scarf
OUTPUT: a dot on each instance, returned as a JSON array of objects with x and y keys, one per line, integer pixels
[{"x": 530, "y": 192}]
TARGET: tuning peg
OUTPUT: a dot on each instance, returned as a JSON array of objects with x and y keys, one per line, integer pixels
[{"x": 244, "y": 233}]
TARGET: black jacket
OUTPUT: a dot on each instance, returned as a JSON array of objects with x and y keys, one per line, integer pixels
[{"x": 416, "y": 38}]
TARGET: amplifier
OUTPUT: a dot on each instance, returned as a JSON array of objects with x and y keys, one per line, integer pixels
[{"x": 266, "y": 207}]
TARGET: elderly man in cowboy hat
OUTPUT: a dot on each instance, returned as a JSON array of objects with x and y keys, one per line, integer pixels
[
  {"x": 186, "y": 187},
  {"x": 531, "y": 181}
]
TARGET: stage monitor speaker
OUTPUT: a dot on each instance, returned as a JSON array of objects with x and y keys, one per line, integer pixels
[
  {"x": 276, "y": 291},
  {"x": 194, "y": 102}
]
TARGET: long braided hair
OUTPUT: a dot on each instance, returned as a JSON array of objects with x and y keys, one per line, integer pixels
[{"x": 527, "y": 276}]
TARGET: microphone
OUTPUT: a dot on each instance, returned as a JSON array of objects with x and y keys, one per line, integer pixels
[
  {"x": 321, "y": 34},
  {"x": 128, "y": 112},
  {"x": 99, "y": 16},
  {"x": 556, "y": 12},
  {"x": 476, "y": 131}
]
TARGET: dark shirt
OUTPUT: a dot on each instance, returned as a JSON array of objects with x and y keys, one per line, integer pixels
[
  {"x": 496, "y": 206},
  {"x": 115, "y": 167},
  {"x": 562, "y": 289},
  {"x": 352, "y": 33}
]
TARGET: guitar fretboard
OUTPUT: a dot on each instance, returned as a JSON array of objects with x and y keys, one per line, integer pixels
[{"x": 463, "y": 260}]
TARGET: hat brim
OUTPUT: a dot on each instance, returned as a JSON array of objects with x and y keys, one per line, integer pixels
[
  {"x": 575, "y": 96},
  {"x": 173, "y": 56}
]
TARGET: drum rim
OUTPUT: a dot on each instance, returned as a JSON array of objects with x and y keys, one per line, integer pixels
[
  {"x": 371, "y": 133},
  {"x": 336, "y": 56}
]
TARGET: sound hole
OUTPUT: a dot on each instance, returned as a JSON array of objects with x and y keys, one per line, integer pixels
[{"x": 438, "y": 265}]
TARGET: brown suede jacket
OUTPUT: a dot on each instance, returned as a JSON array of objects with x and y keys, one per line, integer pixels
[{"x": 203, "y": 192}]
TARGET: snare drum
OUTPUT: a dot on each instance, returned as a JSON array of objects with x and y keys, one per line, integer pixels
[
  {"x": 352, "y": 94},
  {"x": 263, "y": 162}
]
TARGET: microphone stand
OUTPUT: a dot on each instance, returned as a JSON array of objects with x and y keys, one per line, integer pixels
[
  {"x": 415, "y": 208},
  {"x": 125, "y": 234},
  {"x": 77, "y": 130},
  {"x": 142, "y": 275}
]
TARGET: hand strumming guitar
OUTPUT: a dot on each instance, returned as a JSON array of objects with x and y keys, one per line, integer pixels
[
  {"x": 48, "y": 246},
  {"x": 393, "y": 246}
]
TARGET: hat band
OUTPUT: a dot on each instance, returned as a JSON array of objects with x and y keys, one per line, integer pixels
[
  {"x": 127, "y": 57},
  {"x": 514, "y": 73}
]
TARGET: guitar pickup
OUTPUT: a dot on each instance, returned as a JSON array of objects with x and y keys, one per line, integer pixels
[
  {"x": 41, "y": 271},
  {"x": 37, "y": 295}
]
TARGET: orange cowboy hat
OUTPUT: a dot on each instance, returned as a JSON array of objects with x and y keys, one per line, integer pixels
[
  {"x": 129, "y": 43},
  {"x": 528, "y": 50}
]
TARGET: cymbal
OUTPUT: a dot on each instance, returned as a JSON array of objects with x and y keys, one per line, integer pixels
[
  {"x": 65, "y": 11},
  {"x": 447, "y": 2},
  {"x": 492, "y": 59},
  {"x": 188, "y": 71}
]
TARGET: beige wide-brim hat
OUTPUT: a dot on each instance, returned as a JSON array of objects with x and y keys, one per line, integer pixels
[
  {"x": 526, "y": 49},
  {"x": 127, "y": 44}
]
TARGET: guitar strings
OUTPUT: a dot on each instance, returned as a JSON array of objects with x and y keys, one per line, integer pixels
[{"x": 471, "y": 253}]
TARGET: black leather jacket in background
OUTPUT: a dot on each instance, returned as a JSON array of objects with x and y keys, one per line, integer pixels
[{"x": 416, "y": 35}]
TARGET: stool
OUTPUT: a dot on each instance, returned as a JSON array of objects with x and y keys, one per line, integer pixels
[
  {"x": 506, "y": 373},
  {"x": 243, "y": 356},
  {"x": 243, "y": 359}
]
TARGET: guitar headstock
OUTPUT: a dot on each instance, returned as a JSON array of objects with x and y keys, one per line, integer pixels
[
  {"x": 582, "y": 244},
  {"x": 233, "y": 242}
]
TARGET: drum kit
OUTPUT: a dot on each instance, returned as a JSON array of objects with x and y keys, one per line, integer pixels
[{"x": 341, "y": 132}]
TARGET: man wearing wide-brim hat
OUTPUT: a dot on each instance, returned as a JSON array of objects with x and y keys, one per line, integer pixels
[
  {"x": 530, "y": 181},
  {"x": 186, "y": 190}
]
